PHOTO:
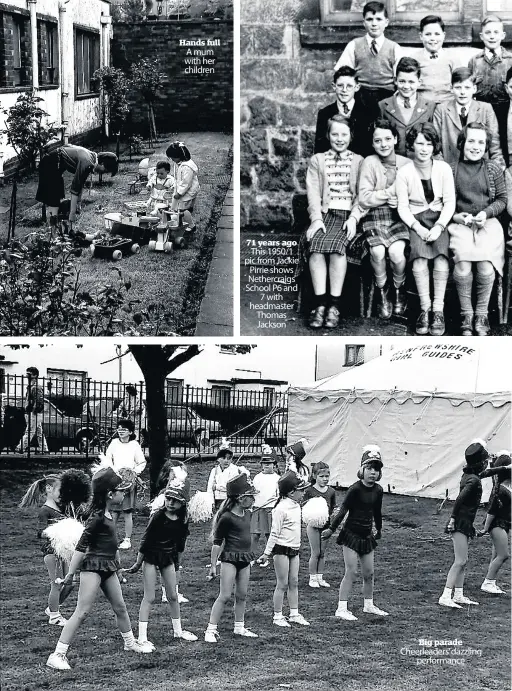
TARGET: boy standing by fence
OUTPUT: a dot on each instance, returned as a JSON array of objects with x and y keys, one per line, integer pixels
[{"x": 34, "y": 406}]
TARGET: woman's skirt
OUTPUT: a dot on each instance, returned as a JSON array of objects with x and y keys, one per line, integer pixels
[
  {"x": 361, "y": 545},
  {"x": 428, "y": 250},
  {"x": 128, "y": 502},
  {"x": 486, "y": 244},
  {"x": 382, "y": 226},
  {"x": 50, "y": 189}
]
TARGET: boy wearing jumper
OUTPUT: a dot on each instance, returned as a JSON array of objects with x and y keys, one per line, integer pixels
[
  {"x": 435, "y": 63},
  {"x": 266, "y": 485},
  {"x": 406, "y": 107},
  {"x": 504, "y": 116},
  {"x": 373, "y": 56},
  {"x": 451, "y": 117},
  {"x": 490, "y": 66}
]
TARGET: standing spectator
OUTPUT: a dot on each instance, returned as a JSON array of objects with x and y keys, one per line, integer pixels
[
  {"x": 34, "y": 406},
  {"x": 131, "y": 407}
]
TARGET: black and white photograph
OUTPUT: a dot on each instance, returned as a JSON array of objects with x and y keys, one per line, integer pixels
[
  {"x": 256, "y": 517},
  {"x": 116, "y": 168},
  {"x": 375, "y": 188}
]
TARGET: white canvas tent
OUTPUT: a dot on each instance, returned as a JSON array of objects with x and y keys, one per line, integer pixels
[{"x": 422, "y": 405}]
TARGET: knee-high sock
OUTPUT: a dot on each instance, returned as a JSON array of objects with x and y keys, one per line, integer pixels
[
  {"x": 398, "y": 278},
  {"x": 379, "y": 269},
  {"x": 422, "y": 278},
  {"x": 464, "y": 286},
  {"x": 484, "y": 284},
  {"x": 440, "y": 281}
]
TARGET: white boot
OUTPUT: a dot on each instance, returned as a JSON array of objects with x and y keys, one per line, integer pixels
[{"x": 313, "y": 581}]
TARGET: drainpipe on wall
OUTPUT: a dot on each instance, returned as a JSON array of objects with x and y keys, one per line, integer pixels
[
  {"x": 64, "y": 81},
  {"x": 106, "y": 32},
  {"x": 33, "y": 43}
]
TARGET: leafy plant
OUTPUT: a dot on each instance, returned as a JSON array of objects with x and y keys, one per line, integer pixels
[
  {"x": 114, "y": 85},
  {"x": 137, "y": 145},
  {"x": 148, "y": 80},
  {"x": 133, "y": 11}
]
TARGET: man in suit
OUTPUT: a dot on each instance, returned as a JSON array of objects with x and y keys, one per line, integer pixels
[
  {"x": 349, "y": 106},
  {"x": 503, "y": 112}
]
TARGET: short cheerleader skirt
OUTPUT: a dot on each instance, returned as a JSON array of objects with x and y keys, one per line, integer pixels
[
  {"x": 237, "y": 557},
  {"x": 464, "y": 526},
  {"x": 162, "y": 559},
  {"x": 500, "y": 523},
  {"x": 93, "y": 562},
  {"x": 286, "y": 551},
  {"x": 361, "y": 545}
]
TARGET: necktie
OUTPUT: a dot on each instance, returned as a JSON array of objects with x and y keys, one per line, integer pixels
[
  {"x": 373, "y": 47},
  {"x": 463, "y": 116},
  {"x": 494, "y": 57},
  {"x": 434, "y": 56},
  {"x": 407, "y": 103},
  {"x": 345, "y": 109}
]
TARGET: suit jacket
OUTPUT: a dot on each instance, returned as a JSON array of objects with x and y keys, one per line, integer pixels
[
  {"x": 448, "y": 126},
  {"x": 501, "y": 112},
  {"x": 360, "y": 120},
  {"x": 423, "y": 112}
]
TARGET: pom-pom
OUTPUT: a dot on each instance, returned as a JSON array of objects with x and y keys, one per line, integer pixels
[
  {"x": 64, "y": 536},
  {"x": 157, "y": 503},
  {"x": 315, "y": 512},
  {"x": 179, "y": 473},
  {"x": 75, "y": 488},
  {"x": 225, "y": 444},
  {"x": 200, "y": 507}
]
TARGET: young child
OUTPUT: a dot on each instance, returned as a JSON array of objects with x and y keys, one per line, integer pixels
[
  {"x": 284, "y": 545},
  {"x": 363, "y": 504},
  {"x": 265, "y": 484},
  {"x": 320, "y": 474},
  {"x": 460, "y": 525},
  {"x": 187, "y": 183},
  {"x": 426, "y": 203},
  {"x": 97, "y": 558},
  {"x": 497, "y": 522},
  {"x": 373, "y": 56},
  {"x": 160, "y": 186},
  {"x": 160, "y": 547},
  {"x": 382, "y": 225},
  {"x": 126, "y": 452},
  {"x": 64, "y": 493},
  {"x": 231, "y": 535},
  {"x": 490, "y": 66},
  {"x": 436, "y": 64},
  {"x": 221, "y": 474},
  {"x": 294, "y": 459},
  {"x": 348, "y": 105},
  {"x": 503, "y": 113},
  {"x": 331, "y": 183},
  {"x": 406, "y": 108},
  {"x": 476, "y": 235},
  {"x": 451, "y": 117}
]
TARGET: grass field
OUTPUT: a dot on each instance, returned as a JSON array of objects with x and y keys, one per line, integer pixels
[{"x": 411, "y": 564}]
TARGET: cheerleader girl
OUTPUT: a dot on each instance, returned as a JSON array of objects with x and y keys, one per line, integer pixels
[
  {"x": 97, "y": 558},
  {"x": 284, "y": 545},
  {"x": 294, "y": 455},
  {"x": 231, "y": 533},
  {"x": 159, "y": 550},
  {"x": 320, "y": 474},
  {"x": 126, "y": 452},
  {"x": 497, "y": 523},
  {"x": 331, "y": 183},
  {"x": 62, "y": 490},
  {"x": 362, "y": 506},
  {"x": 187, "y": 183},
  {"x": 460, "y": 525},
  {"x": 221, "y": 474},
  {"x": 266, "y": 486}
]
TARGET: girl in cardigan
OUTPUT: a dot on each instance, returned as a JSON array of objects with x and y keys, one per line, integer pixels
[
  {"x": 382, "y": 225},
  {"x": 231, "y": 534},
  {"x": 159, "y": 550},
  {"x": 320, "y": 474},
  {"x": 460, "y": 525},
  {"x": 187, "y": 183},
  {"x": 126, "y": 452},
  {"x": 476, "y": 235},
  {"x": 97, "y": 558},
  {"x": 497, "y": 522},
  {"x": 284, "y": 545},
  {"x": 331, "y": 183},
  {"x": 426, "y": 203},
  {"x": 363, "y": 504}
]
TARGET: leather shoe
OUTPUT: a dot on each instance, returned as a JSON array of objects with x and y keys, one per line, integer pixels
[
  {"x": 386, "y": 306},
  {"x": 332, "y": 318},
  {"x": 466, "y": 328},
  {"x": 437, "y": 326},
  {"x": 482, "y": 327},
  {"x": 422, "y": 323},
  {"x": 316, "y": 318},
  {"x": 400, "y": 302}
]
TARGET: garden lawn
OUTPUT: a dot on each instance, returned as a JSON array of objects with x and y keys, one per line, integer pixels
[
  {"x": 367, "y": 655},
  {"x": 168, "y": 281}
]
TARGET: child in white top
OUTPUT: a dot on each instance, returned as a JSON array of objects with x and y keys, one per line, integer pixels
[
  {"x": 266, "y": 485},
  {"x": 126, "y": 452},
  {"x": 187, "y": 183},
  {"x": 221, "y": 474},
  {"x": 284, "y": 545},
  {"x": 160, "y": 185}
]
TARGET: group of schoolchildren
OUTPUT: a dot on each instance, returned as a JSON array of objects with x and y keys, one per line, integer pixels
[
  {"x": 274, "y": 506},
  {"x": 409, "y": 156}
]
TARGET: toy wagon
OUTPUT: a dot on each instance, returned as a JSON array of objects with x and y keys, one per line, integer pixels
[
  {"x": 113, "y": 248},
  {"x": 130, "y": 226},
  {"x": 171, "y": 233}
]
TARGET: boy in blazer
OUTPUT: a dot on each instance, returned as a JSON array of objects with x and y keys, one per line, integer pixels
[{"x": 503, "y": 113}]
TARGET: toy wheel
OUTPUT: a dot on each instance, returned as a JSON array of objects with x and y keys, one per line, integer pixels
[
  {"x": 168, "y": 247},
  {"x": 91, "y": 250},
  {"x": 135, "y": 248},
  {"x": 152, "y": 245},
  {"x": 180, "y": 242},
  {"x": 117, "y": 255}
]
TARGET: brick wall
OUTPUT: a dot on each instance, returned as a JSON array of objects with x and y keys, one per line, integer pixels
[
  {"x": 286, "y": 66},
  {"x": 191, "y": 101},
  {"x": 8, "y": 75}
]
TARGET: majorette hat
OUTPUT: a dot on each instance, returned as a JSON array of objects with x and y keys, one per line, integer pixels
[
  {"x": 240, "y": 486},
  {"x": 372, "y": 456},
  {"x": 176, "y": 491},
  {"x": 224, "y": 448},
  {"x": 106, "y": 479},
  {"x": 476, "y": 453},
  {"x": 298, "y": 450},
  {"x": 267, "y": 454},
  {"x": 290, "y": 481}
]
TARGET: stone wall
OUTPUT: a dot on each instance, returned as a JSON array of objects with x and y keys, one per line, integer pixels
[
  {"x": 192, "y": 100},
  {"x": 287, "y": 60}
]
